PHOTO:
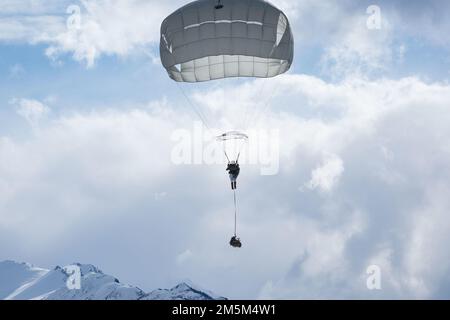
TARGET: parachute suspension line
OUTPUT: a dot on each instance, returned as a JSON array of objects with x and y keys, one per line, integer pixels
[
  {"x": 195, "y": 108},
  {"x": 239, "y": 151},
  {"x": 226, "y": 155},
  {"x": 258, "y": 115},
  {"x": 239, "y": 96},
  {"x": 235, "y": 213},
  {"x": 248, "y": 113},
  {"x": 247, "y": 109},
  {"x": 225, "y": 151}
]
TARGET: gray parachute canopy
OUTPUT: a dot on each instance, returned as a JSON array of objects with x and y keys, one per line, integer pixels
[{"x": 240, "y": 38}]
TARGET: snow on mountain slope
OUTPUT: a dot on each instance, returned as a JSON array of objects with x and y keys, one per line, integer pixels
[
  {"x": 183, "y": 291},
  {"x": 16, "y": 277},
  {"x": 22, "y": 281}
]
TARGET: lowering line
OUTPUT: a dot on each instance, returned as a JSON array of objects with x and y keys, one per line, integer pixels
[{"x": 235, "y": 214}]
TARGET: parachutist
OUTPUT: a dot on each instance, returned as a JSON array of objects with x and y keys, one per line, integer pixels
[
  {"x": 235, "y": 242},
  {"x": 233, "y": 171},
  {"x": 265, "y": 53}
]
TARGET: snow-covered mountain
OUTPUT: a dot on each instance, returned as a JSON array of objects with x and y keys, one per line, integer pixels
[{"x": 22, "y": 281}]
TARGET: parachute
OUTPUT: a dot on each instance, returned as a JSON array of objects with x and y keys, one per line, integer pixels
[{"x": 208, "y": 40}]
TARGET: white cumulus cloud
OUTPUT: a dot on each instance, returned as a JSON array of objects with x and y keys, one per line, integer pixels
[
  {"x": 327, "y": 175},
  {"x": 31, "y": 110}
]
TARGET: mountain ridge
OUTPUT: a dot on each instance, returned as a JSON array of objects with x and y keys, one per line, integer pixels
[{"x": 24, "y": 281}]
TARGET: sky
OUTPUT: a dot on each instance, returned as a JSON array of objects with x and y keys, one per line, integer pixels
[{"x": 360, "y": 126}]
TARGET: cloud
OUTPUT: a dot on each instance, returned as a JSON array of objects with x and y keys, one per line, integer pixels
[
  {"x": 30, "y": 7},
  {"x": 327, "y": 175},
  {"x": 94, "y": 176},
  {"x": 349, "y": 45},
  {"x": 100, "y": 186},
  {"x": 428, "y": 23},
  {"x": 29, "y": 29},
  {"x": 115, "y": 27},
  {"x": 386, "y": 183},
  {"x": 65, "y": 155},
  {"x": 359, "y": 50},
  {"x": 124, "y": 28},
  {"x": 109, "y": 27},
  {"x": 425, "y": 262},
  {"x": 31, "y": 110},
  {"x": 184, "y": 256}
]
